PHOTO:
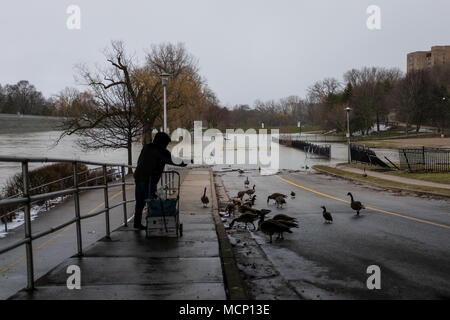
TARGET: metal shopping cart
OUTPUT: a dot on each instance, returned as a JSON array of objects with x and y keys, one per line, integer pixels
[{"x": 163, "y": 213}]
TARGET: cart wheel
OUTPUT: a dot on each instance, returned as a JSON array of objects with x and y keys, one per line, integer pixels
[{"x": 181, "y": 229}]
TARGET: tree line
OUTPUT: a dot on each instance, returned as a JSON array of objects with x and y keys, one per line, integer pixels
[{"x": 122, "y": 102}]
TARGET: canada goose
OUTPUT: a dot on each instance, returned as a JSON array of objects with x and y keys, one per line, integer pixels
[
  {"x": 274, "y": 195},
  {"x": 284, "y": 217},
  {"x": 250, "y": 202},
  {"x": 241, "y": 171},
  {"x": 292, "y": 194},
  {"x": 280, "y": 201},
  {"x": 237, "y": 201},
  {"x": 326, "y": 215},
  {"x": 241, "y": 194},
  {"x": 364, "y": 174},
  {"x": 204, "y": 199},
  {"x": 230, "y": 208},
  {"x": 270, "y": 227},
  {"x": 246, "y": 183},
  {"x": 289, "y": 224},
  {"x": 246, "y": 218},
  {"x": 356, "y": 205},
  {"x": 251, "y": 191}
]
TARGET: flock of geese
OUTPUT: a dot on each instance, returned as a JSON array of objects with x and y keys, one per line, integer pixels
[{"x": 278, "y": 224}]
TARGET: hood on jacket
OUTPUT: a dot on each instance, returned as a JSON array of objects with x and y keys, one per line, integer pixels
[{"x": 161, "y": 139}]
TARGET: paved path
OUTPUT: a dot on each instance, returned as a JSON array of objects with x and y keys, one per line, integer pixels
[
  {"x": 129, "y": 266},
  {"x": 395, "y": 178}
]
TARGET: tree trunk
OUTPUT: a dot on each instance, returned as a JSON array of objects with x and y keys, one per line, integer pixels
[
  {"x": 147, "y": 135},
  {"x": 130, "y": 156},
  {"x": 378, "y": 122}
]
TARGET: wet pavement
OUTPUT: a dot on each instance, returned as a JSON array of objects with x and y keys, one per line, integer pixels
[
  {"x": 406, "y": 236},
  {"x": 131, "y": 266}
]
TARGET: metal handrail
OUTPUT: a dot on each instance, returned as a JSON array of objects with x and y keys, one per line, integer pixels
[
  {"x": 27, "y": 200},
  {"x": 96, "y": 178}
]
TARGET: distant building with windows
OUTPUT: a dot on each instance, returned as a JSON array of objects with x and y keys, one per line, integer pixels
[{"x": 419, "y": 60}]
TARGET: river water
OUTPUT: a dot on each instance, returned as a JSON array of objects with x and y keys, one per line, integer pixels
[{"x": 42, "y": 144}]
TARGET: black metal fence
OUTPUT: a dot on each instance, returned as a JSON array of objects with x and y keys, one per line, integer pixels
[
  {"x": 323, "y": 150},
  {"x": 425, "y": 159},
  {"x": 361, "y": 154}
]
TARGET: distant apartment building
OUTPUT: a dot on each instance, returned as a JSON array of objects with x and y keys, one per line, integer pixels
[{"x": 438, "y": 55}]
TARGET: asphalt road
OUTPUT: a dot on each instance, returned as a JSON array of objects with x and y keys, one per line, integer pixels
[{"x": 406, "y": 236}]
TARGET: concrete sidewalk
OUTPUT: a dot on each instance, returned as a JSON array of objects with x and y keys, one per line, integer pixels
[
  {"x": 395, "y": 178},
  {"x": 129, "y": 266}
]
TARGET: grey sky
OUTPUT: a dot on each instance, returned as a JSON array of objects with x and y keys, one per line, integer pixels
[{"x": 247, "y": 49}]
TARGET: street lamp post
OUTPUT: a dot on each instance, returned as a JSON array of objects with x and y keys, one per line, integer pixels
[
  {"x": 348, "y": 134},
  {"x": 165, "y": 79}
]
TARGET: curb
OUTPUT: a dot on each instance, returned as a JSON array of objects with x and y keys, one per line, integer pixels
[
  {"x": 381, "y": 186},
  {"x": 234, "y": 286}
]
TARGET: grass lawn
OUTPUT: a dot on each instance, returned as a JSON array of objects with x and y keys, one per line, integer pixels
[
  {"x": 382, "y": 182},
  {"x": 432, "y": 177}
]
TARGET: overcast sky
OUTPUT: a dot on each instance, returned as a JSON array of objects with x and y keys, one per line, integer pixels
[{"x": 247, "y": 49}]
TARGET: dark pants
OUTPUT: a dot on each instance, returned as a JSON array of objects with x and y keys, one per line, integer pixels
[{"x": 141, "y": 193}]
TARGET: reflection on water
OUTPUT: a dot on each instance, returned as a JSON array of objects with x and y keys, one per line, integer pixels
[{"x": 41, "y": 144}]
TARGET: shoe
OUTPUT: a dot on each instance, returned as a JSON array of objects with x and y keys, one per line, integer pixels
[{"x": 139, "y": 227}]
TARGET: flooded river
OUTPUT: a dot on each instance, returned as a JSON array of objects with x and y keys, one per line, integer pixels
[{"x": 42, "y": 144}]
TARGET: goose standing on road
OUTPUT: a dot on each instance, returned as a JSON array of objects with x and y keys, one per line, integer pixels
[
  {"x": 246, "y": 218},
  {"x": 284, "y": 217},
  {"x": 204, "y": 199},
  {"x": 356, "y": 205},
  {"x": 273, "y": 196},
  {"x": 280, "y": 201},
  {"x": 251, "y": 191},
  {"x": 326, "y": 215},
  {"x": 292, "y": 194},
  {"x": 246, "y": 183},
  {"x": 270, "y": 227}
]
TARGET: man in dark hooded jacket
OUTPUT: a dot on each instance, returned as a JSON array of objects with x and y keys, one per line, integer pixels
[{"x": 154, "y": 156}]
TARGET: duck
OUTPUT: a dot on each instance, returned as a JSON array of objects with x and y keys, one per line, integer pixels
[
  {"x": 274, "y": 195},
  {"x": 284, "y": 217},
  {"x": 326, "y": 215},
  {"x": 356, "y": 205},
  {"x": 292, "y": 194},
  {"x": 204, "y": 199},
  {"x": 246, "y": 183},
  {"x": 246, "y": 218},
  {"x": 270, "y": 227},
  {"x": 251, "y": 191},
  {"x": 280, "y": 201}
]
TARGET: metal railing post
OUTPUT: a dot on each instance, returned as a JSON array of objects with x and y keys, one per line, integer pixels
[
  {"x": 27, "y": 218},
  {"x": 76, "y": 198},
  {"x": 105, "y": 180},
  {"x": 124, "y": 198}
]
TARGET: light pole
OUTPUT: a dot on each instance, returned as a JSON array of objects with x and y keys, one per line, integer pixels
[
  {"x": 165, "y": 79},
  {"x": 348, "y": 134}
]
